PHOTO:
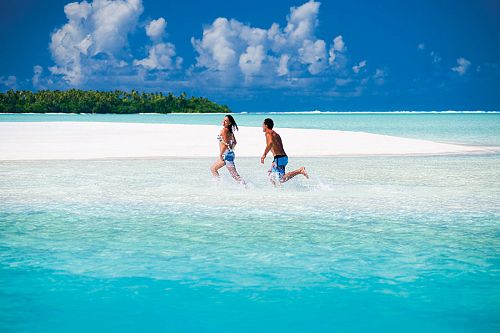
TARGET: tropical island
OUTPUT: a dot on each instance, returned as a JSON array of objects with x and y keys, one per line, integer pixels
[{"x": 91, "y": 101}]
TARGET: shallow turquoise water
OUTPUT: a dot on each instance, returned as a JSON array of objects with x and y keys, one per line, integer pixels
[
  {"x": 368, "y": 244},
  {"x": 385, "y": 244},
  {"x": 466, "y": 128}
]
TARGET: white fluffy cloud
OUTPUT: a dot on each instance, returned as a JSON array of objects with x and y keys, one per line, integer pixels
[
  {"x": 112, "y": 22},
  {"x": 156, "y": 29},
  {"x": 358, "y": 67},
  {"x": 100, "y": 29},
  {"x": 314, "y": 55},
  {"x": 302, "y": 22},
  {"x": 251, "y": 61},
  {"x": 94, "y": 43},
  {"x": 462, "y": 66},
  {"x": 231, "y": 48},
  {"x": 93, "y": 47},
  {"x": 338, "y": 46},
  {"x": 161, "y": 56},
  {"x": 218, "y": 48},
  {"x": 283, "y": 65},
  {"x": 421, "y": 46}
]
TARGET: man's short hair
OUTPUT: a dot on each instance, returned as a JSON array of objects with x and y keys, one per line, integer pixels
[{"x": 269, "y": 123}]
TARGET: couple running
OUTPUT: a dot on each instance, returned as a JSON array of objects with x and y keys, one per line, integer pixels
[{"x": 227, "y": 142}]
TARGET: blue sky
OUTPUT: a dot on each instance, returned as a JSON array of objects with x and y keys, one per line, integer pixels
[{"x": 262, "y": 55}]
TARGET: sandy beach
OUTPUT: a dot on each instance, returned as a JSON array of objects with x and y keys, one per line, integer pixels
[{"x": 95, "y": 140}]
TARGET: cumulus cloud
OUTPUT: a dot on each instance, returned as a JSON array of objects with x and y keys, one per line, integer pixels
[
  {"x": 338, "y": 46},
  {"x": 112, "y": 22},
  {"x": 156, "y": 29},
  {"x": 359, "y": 66},
  {"x": 93, "y": 47},
  {"x": 421, "y": 46},
  {"x": 313, "y": 54},
  {"x": 221, "y": 43},
  {"x": 230, "y": 48},
  {"x": 283, "y": 65},
  {"x": 251, "y": 61},
  {"x": 161, "y": 56},
  {"x": 462, "y": 66},
  {"x": 94, "y": 44},
  {"x": 302, "y": 22},
  {"x": 95, "y": 36}
]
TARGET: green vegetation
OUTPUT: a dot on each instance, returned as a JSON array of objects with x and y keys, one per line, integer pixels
[{"x": 80, "y": 101}]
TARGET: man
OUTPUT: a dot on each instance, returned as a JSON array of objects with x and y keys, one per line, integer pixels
[{"x": 274, "y": 144}]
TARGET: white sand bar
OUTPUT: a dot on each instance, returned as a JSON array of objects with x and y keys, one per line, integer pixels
[{"x": 93, "y": 140}]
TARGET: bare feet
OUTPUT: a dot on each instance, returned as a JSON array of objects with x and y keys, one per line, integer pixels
[{"x": 304, "y": 172}]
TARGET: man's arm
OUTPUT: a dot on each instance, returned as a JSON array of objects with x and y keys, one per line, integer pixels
[{"x": 269, "y": 145}]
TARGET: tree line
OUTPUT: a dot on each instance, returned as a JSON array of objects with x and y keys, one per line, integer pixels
[{"x": 91, "y": 101}]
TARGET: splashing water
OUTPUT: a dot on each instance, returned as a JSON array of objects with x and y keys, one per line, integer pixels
[{"x": 404, "y": 243}]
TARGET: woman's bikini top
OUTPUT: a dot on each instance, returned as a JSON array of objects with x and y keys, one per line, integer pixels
[{"x": 229, "y": 145}]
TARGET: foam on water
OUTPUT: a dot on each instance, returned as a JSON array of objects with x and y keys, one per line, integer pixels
[{"x": 407, "y": 237}]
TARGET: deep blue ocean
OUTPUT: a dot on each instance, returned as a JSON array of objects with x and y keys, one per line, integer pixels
[{"x": 382, "y": 244}]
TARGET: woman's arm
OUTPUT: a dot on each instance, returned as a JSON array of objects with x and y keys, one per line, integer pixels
[{"x": 223, "y": 144}]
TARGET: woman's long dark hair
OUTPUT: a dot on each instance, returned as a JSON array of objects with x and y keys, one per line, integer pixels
[{"x": 232, "y": 127}]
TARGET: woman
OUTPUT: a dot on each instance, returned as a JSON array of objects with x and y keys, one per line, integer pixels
[{"x": 227, "y": 142}]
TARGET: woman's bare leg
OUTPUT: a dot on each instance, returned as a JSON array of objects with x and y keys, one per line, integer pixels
[
  {"x": 215, "y": 167},
  {"x": 234, "y": 173}
]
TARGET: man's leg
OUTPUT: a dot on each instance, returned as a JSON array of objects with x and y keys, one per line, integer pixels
[
  {"x": 291, "y": 174},
  {"x": 274, "y": 178},
  {"x": 274, "y": 175}
]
